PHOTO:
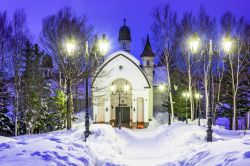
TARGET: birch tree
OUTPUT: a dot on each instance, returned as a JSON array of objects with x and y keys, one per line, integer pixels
[
  {"x": 165, "y": 31},
  {"x": 235, "y": 30},
  {"x": 18, "y": 40},
  {"x": 187, "y": 29}
]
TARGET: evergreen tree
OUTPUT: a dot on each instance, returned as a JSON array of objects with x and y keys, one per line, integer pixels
[
  {"x": 179, "y": 87},
  {"x": 6, "y": 125},
  {"x": 35, "y": 93},
  {"x": 58, "y": 113}
]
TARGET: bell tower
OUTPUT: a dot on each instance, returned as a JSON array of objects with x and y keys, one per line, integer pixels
[{"x": 124, "y": 37}]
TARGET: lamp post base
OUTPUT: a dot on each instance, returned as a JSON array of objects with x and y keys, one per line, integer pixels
[
  {"x": 86, "y": 134},
  {"x": 209, "y": 135},
  {"x": 169, "y": 119}
]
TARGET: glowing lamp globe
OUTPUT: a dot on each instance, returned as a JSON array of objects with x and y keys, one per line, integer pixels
[
  {"x": 227, "y": 45},
  {"x": 194, "y": 43},
  {"x": 103, "y": 45},
  {"x": 70, "y": 46}
]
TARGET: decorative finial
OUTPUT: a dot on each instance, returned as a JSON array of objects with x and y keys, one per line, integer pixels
[{"x": 124, "y": 20}]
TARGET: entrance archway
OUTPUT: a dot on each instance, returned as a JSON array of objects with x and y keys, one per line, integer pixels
[{"x": 121, "y": 102}]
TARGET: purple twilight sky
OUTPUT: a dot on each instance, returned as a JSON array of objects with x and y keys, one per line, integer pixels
[{"x": 107, "y": 15}]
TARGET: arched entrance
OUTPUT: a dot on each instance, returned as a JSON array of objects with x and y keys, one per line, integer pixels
[{"x": 121, "y": 102}]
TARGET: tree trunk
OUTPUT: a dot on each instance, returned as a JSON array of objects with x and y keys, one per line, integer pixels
[
  {"x": 230, "y": 122},
  {"x": 170, "y": 93},
  {"x": 190, "y": 89},
  {"x": 17, "y": 85},
  {"x": 69, "y": 104},
  {"x": 234, "y": 113},
  {"x": 248, "y": 119},
  {"x": 234, "y": 94},
  {"x": 206, "y": 89}
]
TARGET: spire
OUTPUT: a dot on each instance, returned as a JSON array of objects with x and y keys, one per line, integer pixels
[{"x": 147, "y": 52}]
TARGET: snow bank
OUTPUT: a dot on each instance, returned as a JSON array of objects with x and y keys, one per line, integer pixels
[{"x": 177, "y": 144}]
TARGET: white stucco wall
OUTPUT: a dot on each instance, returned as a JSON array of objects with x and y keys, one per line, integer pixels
[{"x": 110, "y": 71}]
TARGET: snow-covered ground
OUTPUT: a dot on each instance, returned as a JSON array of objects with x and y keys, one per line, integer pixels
[{"x": 178, "y": 144}]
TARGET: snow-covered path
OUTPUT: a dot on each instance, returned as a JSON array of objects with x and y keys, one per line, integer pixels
[
  {"x": 144, "y": 148},
  {"x": 152, "y": 147},
  {"x": 175, "y": 145}
]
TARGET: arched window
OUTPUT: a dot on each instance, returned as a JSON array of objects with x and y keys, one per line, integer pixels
[
  {"x": 124, "y": 46},
  {"x": 148, "y": 63}
]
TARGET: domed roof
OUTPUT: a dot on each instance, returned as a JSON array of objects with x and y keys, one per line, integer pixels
[
  {"x": 124, "y": 33},
  {"x": 47, "y": 62},
  {"x": 147, "y": 52}
]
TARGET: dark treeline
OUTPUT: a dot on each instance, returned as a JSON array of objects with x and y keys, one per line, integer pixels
[
  {"x": 37, "y": 87},
  {"x": 188, "y": 71}
]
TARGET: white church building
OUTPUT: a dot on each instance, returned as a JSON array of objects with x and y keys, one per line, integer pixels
[{"x": 122, "y": 84}]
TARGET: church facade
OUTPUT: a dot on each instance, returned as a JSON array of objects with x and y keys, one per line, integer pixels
[{"x": 124, "y": 90}]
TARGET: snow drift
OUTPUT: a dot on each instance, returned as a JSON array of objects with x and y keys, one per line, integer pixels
[{"x": 178, "y": 144}]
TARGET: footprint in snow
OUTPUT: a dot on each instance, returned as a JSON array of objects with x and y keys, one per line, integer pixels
[
  {"x": 55, "y": 139},
  {"x": 246, "y": 154},
  {"x": 4, "y": 146}
]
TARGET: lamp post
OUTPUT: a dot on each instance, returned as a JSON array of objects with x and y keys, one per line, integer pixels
[
  {"x": 193, "y": 44},
  {"x": 87, "y": 132},
  {"x": 119, "y": 91},
  {"x": 209, "y": 116},
  {"x": 70, "y": 46},
  {"x": 103, "y": 47},
  {"x": 186, "y": 95},
  {"x": 198, "y": 97}
]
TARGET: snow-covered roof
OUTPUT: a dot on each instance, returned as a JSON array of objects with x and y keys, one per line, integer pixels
[{"x": 127, "y": 54}]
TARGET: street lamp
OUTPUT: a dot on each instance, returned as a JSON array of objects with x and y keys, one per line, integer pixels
[
  {"x": 198, "y": 97},
  {"x": 70, "y": 46},
  {"x": 186, "y": 95},
  {"x": 103, "y": 48},
  {"x": 119, "y": 90},
  {"x": 161, "y": 87},
  {"x": 194, "y": 43},
  {"x": 103, "y": 45},
  {"x": 227, "y": 45}
]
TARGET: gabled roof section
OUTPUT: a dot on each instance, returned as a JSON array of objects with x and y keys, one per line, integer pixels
[{"x": 126, "y": 55}]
